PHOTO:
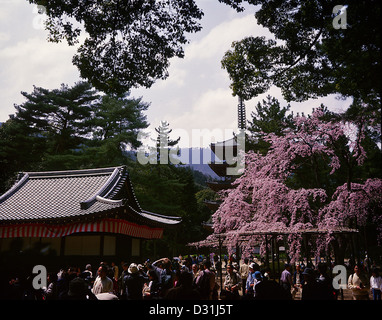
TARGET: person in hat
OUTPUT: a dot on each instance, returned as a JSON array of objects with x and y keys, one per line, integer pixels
[
  {"x": 250, "y": 281},
  {"x": 87, "y": 273},
  {"x": 102, "y": 283},
  {"x": 134, "y": 282},
  {"x": 310, "y": 288}
]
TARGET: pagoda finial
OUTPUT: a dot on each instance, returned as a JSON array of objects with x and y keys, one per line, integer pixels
[{"x": 241, "y": 114}]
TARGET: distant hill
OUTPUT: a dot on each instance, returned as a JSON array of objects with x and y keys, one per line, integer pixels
[
  {"x": 198, "y": 159},
  {"x": 195, "y": 158}
]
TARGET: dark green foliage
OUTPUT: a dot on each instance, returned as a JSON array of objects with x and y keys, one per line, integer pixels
[
  {"x": 128, "y": 43},
  {"x": 310, "y": 58},
  {"x": 69, "y": 128},
  {"x": 269, "y": 117}
]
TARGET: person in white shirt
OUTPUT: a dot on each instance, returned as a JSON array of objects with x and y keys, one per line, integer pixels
[
  {"x": 376, "y": 284},
  {"x": 358, "y": 283},
  {"x": 102, "y": 283}
]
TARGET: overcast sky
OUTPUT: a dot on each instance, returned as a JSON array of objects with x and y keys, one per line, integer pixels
[{"x": 196, "y": 96}]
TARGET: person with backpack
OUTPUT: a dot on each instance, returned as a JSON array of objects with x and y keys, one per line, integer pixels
[
  {"x": 134, "y": 282},
  {"x": 205, "y": 282},
  {"x": 163, "y": 269}
]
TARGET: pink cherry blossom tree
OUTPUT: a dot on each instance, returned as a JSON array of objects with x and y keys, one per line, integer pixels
[{"x": 262, "y": 201}]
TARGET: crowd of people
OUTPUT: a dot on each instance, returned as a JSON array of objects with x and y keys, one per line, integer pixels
[
  {"x": 195, "y": 278},
  {"x": 173, "y": 279}
]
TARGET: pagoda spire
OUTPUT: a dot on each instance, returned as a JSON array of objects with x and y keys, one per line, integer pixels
[{"x": 241, "y": 116}]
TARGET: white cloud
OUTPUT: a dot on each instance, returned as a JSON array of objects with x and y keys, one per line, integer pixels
[
  {"x": 196, "y": 95},
  {"x": 213, "y": 110},
  {"x": 26, "y": 58},
  {"x": 220, "y": 38},
  {"x": 33, "y": 62},
  {"x": 4, "y": 37}
]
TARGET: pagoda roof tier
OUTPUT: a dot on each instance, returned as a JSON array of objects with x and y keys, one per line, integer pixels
[
  {"x": 208, "y": 226},
  {"x": 219, "y": 185},
  {"x": 220, "y": 148},
  {"x": 213, "y": 204},
  {"x": 220, "y": 168},
  {"x": 77, "y": 197}
]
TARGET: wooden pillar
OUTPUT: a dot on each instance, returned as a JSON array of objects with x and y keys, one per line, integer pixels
[
  {"x": 277, "y": 255},
  {"x": 266, "y": 251},
  {"x": 357, "y": 243},
  {"x": 62, "y": 247},
  {"x": 101, "y": 246},
  {"x": 352, "y": 245},
  {"x": 306, "y": 250},
  {"x": 286, "y": 248},
  {"x": 273, "y": 257},
  {"x": 221, "y": 263},
  {"x": 366, "y": 250},
  {"x": 238, "y": 254}
]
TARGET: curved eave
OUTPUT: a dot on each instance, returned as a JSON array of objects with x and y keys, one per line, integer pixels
[
  {"x": 110, "y": 211},
  {"x": 154, "y": 219}
]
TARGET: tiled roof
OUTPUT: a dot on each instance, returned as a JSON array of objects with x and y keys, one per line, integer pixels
[{"x": 51, "y": 196}]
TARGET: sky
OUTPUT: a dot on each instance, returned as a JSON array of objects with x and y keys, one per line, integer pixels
[{"x": 195, "y": 99}]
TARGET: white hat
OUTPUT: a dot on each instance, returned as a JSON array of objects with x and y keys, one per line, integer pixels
[{"x": 133, "y": 268}]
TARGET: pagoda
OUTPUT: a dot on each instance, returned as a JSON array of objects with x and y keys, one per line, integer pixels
[{"x": 224, "y": 152}]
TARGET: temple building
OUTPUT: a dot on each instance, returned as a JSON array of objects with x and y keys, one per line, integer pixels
[{"x": 78, "y": 213}]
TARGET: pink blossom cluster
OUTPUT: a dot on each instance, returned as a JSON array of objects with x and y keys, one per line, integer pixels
[
  {"x": 354, "y": 206},
  {"x": 261, "y": 200}
]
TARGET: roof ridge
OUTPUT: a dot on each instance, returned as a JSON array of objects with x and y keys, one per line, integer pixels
[
  {"x": 113, "y": 180},
  {"x": 69, "y": 173},
  {"x": 23, "y": 179}
]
